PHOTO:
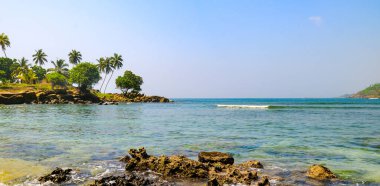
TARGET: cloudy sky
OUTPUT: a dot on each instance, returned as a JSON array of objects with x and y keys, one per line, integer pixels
[{"x": 214, "y": 48}]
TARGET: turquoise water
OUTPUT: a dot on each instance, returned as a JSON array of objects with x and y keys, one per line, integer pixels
[{"x": 292, "y": 134}]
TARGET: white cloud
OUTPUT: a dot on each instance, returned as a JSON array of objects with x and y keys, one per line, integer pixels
[{"x": 316, "y": 20}]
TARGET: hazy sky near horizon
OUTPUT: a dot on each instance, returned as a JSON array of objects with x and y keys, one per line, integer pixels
[{"x": 213, "y": 48}]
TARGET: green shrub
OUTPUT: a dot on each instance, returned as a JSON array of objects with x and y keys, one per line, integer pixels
[
  {"x": 56, "y": 78},
  {"x": 85, "y": 75}
]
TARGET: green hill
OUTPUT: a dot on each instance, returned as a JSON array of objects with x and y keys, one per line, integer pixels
[{"x": 372, "y": 91}]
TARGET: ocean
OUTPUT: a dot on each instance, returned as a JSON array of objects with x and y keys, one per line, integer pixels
[{"x": 284, "y": 134}]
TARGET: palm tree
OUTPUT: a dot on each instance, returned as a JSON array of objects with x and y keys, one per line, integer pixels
[
  {"x": 28, "y": 76},
  {"x": 75, "y": 57},
  {"x": 116, "y": 63},
  {"x": 4, "y": 42},
  {"x": 60, "y": 67},
  {"x": 39, "y": 57},
  {"x": 104, "y": 65},
  {"x": 22, "y": 69}
]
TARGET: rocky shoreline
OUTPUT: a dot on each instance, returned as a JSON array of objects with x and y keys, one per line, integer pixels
[
  {"x": 74, "y": 97},
  {"x": 211, "y": 169}
]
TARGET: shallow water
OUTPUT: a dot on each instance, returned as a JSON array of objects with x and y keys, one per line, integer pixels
[{"x": 289, "y": 134}]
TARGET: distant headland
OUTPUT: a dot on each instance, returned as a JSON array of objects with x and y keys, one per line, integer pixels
[{"x": 372, "y": 91}]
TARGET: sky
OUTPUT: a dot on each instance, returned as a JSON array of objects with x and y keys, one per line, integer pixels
[{"x": 210, "y": 48}]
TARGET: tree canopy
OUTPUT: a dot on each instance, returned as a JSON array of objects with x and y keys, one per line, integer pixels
[
  {"x": 39, "y": 71},
  {"x": 129, "y": 81},
  {"x": 7, "y": 66},
  {"x": 56, "y": 78},
  {"x": 75, "y": 57},
  {"x": 39, "y": 57},
  {"x": 85, "y": 75}
]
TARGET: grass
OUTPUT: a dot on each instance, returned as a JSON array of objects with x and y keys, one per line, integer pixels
[
  {"x": 22, "y": 87},
  {"x": 110, "y": 97}
]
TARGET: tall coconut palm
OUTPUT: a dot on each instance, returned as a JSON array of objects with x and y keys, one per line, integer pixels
[
  {"x": 39, "y": 57},
  {"x": 4, "y": 42},
  {"x": 60, "y": 66},
  {"x": 75, "y": 57},
  {"x": 104, "y": 65},
  {"x": 116, "y": 63}
]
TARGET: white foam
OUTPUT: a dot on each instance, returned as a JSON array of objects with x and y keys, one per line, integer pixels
[{"x": 245, "y": 106}]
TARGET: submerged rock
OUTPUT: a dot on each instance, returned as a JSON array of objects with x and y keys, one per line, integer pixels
[
  {"x": 320, "y": 172},
  {"x": 215, "y": 157},
  {"x": 57, "y": 176}
]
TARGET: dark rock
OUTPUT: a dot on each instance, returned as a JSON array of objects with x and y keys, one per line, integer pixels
[
  {"x": 57, "y": 176},
  {"x": 320, "y": 172},
  {"x": 133, "y": 179},
  {"x": 263, "y": 182},
  {"x": 215, "y": 157},
  {"x": 11, "y": 99},
  {"x": 29, "y": 97},
  {"x": 213, "y": 182}
]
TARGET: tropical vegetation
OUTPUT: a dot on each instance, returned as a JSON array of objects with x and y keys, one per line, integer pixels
[
  {"x": 129, "y": 82},
  {"x": 83, "y": 75},
  {"x": 4, "y": 42}
]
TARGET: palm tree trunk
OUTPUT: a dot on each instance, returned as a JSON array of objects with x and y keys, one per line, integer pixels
[
  {"x": 105, "y": 77},
  {"x": 108, "y": 82},
  {"x": 5, "y": 54}
]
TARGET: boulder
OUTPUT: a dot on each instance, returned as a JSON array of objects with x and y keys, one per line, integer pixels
[
  {"x": 175, "y": 166},
  {"x": 215, "y": 157},
  {"x": 252, "y": 164},
  {"x": 57, "y": 176},
  {"x": 320, "y": 172},
  {"x": 233, "y": 175}
]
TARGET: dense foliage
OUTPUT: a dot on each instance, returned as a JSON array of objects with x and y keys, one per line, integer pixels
[
  {"x": 56, "y": 78},
  {"x": 129, "y": 81},
  {"x": 40, "y": 72},
  {"x": 7, "y": 66},
  {"x": 85, "y": 75}
]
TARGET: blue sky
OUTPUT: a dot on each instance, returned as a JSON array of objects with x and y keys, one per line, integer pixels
[{"x": 214, "y": 48}]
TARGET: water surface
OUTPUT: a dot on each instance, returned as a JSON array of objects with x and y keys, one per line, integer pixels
[{"x": 290, "y": 134}]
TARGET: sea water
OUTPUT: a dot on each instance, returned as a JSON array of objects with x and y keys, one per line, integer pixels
[{"x": 287, "y": 134}]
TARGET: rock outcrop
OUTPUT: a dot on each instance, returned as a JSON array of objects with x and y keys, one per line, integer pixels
[
  {"x": 49, "y": 97},
  {"x": 215, "y": 157},
  {"x": 57, "y": 176},
  {"x": 134, "y": 98},
  {"x": 217, "y": 167},
  {"x": 320, "y": 172}
]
